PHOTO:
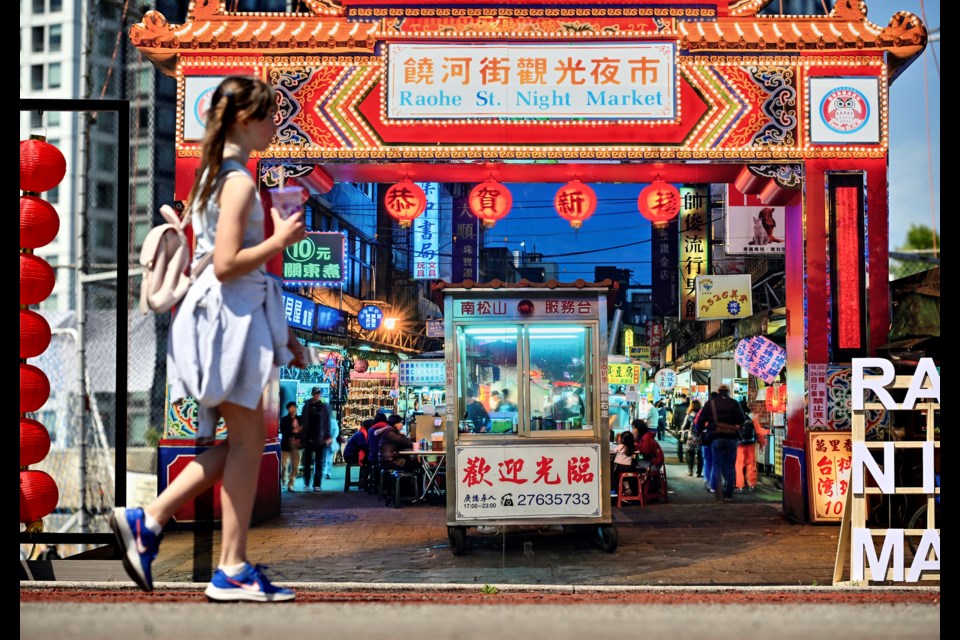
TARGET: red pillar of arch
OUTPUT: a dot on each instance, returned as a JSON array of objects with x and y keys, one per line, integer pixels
[{"x": 809, "y": 295}]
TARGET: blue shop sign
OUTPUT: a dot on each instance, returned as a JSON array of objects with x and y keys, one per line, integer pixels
[
  {"x": 370, "y": 317},
  {"x": 330, "y": 320},
  {"x": 301, "y": 312}
]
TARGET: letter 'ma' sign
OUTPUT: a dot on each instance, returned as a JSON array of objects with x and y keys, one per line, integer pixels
[{"x": 889, "y": 560}]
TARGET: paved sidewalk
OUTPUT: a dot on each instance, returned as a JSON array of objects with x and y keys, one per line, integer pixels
[{"x": 692, "y": 540}]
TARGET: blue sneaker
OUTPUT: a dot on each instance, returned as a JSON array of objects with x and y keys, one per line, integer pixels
[
  {"x": 138, "y": 544},
  {"x": 250, "y": 584}
]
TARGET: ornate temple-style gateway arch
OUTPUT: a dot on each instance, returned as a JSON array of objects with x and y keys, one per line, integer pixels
[{"x": 790, "y": 109}]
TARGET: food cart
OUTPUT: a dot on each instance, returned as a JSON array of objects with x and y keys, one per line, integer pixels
[{"x": 537, "y": 451}]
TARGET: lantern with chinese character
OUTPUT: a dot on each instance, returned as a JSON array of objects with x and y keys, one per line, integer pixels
[
  {"x": 575, "y": 202},
  {"x": 405, "y": 201},
  {"x": 490, "y": 201},
  {"x": 659, "y": 202}
]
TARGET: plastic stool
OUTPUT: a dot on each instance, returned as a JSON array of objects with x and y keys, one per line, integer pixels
[
  {"x": 654, "y": 484},
  {"x": 360, "y": 482},
  {"x": 637, "y": 497},
  {"x": 397, "y": 481}
]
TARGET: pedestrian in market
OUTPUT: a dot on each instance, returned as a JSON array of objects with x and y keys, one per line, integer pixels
[
  {"x": 746, "y": 464},
  {"x": 653, "y": 416},
  {"x": 691, "y": 439},
  {"x": 316, "y": 425},
  {"x": 678, "y": 423},
  {"x": 662, "y": 420},
  {"x": 227, "y": 338},
  {"x": 726, "y": 410},
  {"x": 705, "y": 448},
  {"x": 291, "y": 440}
]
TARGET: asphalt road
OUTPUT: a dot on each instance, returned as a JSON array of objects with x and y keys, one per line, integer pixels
[{"x": 580, "y": 621}]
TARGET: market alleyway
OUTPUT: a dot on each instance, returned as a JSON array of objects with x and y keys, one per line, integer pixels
[{"x": 690, "y": 540}]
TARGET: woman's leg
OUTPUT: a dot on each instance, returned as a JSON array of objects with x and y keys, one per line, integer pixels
[
  {"x": 247, "y": 432},
  {"x": 196, "y": 477}
]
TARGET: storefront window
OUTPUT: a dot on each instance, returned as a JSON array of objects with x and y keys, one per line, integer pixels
[
  {"x": 559, "y": 378},
  {"x": 488, "y": 381}
]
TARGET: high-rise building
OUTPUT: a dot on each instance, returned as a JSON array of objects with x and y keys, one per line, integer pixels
[{"x": 78, "y": 49}]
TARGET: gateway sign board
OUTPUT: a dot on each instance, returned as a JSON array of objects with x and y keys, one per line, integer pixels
[{"x": 630, "y": 81}]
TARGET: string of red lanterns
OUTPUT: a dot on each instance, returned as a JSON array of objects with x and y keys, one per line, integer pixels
[
  {"x": 405, "y": 201},
  {"x": 42, "y": 167}
]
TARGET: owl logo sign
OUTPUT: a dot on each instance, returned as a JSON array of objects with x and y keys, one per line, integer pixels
[{"x": 844, "y": 110}]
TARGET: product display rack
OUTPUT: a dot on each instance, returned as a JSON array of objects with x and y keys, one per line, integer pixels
[{"x": 364, "y": 398}]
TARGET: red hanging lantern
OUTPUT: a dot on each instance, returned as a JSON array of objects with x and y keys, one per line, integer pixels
[
  {"x": 34, "y": 334},
  {"x": 34, "y": 442},
  {"x": 490, "y": 201},
  {"x": 42, "y": 166},
  {"x": 34, "y": 388},
  {"x": 405, "y": 201},
  {"x": 36, "y": 279},
  {"x": 575, "y": 202},
  {"x": 782, "y": 398},
  {"x": 39, "y": 222},
  {"x": 770, "y": 401},
  {"x": 659, "y": 202},
  {"x": 38, "y": 495},
  {"x": 361, "y": 366}
]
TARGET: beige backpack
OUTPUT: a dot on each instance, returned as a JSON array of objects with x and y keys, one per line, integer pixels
[{"x": 165, "y": 257}]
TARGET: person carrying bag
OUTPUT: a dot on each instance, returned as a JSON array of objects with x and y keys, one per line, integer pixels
[{"x": 725, "y": 418}]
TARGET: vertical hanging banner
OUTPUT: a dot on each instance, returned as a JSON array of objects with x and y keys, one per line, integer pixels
[
  {"x": 426, "y": 235},
  {"x": 466, "y": 238},
  {"x": 664, "y": 273},
  {"x": 655, "y": 340},
  {"x": 817, "y": 398},
  {"x": 694, "y": 246}
]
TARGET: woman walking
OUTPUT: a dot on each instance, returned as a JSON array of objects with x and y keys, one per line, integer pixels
[{"x": 227, "y": 336}]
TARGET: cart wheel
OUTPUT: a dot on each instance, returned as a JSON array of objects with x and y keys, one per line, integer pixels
[
  {"x": 458, "y": 540},
  {"x": 608, "y": 538}
]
